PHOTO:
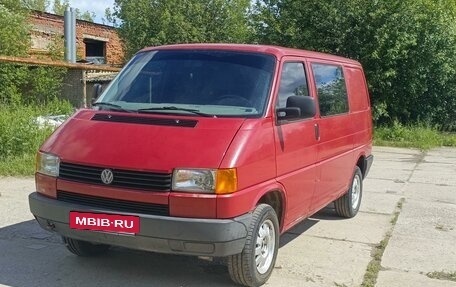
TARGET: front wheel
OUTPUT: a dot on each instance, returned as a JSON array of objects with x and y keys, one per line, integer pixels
[
  {"x": 348, "y": 205},
  {"x": 254, "y": 265},
  {"x": 84, "y": 248}
]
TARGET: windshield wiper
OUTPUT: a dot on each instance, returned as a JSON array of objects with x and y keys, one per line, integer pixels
[
  {"x": 173, "y": 108},
  {"x": 112, "y": 107}
]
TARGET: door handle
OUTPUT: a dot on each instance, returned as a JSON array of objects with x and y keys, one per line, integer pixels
[{"x": 317, "y": 132}]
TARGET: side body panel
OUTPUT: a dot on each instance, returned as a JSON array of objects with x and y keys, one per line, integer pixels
[
  {"x": 252, "y": 152},
  {"x": 296, "y": 154},
  {"x": 335, "y": 159},
  {"x": 360, "y": 106},
  {"x": 339, "y": 135}
]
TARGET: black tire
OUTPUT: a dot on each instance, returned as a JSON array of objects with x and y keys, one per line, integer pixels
[
  {"x": 84, "y": 248},
  {"x": 348, "y": 205},
  {"x": 243, "y": 267}
]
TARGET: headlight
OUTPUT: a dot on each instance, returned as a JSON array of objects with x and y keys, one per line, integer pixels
[
  {"x": 219, "y": 181},
  {"x": 47, "y": 164}
]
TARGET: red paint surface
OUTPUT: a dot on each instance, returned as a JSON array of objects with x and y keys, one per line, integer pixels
[
  {"x": 142, "y": 147},
  {"x": 309, "y": 172}
]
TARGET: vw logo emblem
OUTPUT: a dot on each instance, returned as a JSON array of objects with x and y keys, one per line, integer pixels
[{"x": 107, "y": 176}]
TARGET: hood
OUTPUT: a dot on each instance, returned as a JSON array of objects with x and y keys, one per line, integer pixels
[{"x": 156, "y": 143}]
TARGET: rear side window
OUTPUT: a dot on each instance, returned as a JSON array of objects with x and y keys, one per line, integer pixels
[
  {"x": 293, "y": 82},
  {"x": 331, "y": 89}
]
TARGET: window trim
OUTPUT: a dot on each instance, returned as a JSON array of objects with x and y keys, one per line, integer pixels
[
  {"x": 303, "y": 62},
  {"x": 316, "y": 96},
  {"x": 107, "y": 94}
]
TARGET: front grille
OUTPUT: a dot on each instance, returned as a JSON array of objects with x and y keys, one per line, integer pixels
[
  {"x": 122, "y": 178},
  {"x": 114, "y": 204}
]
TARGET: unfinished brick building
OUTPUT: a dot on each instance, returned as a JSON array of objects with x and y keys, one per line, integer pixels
[{"x": 95, "y": 43}]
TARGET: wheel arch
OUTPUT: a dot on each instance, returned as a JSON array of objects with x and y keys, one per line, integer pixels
[
  {"x": 277, "y": 200},
  {"x": 362, "y": 164}
]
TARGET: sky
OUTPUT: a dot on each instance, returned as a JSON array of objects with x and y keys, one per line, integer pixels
[{"x": 96, "y": 6}]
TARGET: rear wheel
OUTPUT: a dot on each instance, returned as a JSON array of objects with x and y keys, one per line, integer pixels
[
  {"x": 84, "y": 248},
  {"x": 254, "y": 265},
  {"x": 348, "y": 205}
]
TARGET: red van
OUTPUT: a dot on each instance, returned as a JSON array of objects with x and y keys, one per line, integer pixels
[{"x": 208, "y": 150}]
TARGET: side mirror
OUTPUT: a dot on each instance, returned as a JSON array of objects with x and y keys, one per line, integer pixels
[
  {"x": 288, "y": 113},
  {"x": 305, "y": 104},
  {"x": 298, "y": 107}
]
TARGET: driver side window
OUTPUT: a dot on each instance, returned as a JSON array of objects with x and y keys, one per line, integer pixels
[{"x": 293, "y": 82}]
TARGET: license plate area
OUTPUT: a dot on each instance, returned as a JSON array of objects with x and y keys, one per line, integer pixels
[{"x": 114, "y": 223}]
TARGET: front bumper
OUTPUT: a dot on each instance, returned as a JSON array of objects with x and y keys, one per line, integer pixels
[{"x": 191, "y": 236}]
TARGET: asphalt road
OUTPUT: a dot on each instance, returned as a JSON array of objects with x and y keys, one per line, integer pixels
[{"x": 321, "y": 251}]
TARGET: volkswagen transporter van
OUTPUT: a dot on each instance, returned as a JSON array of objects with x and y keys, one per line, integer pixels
[{"x": 209, "y": 150}]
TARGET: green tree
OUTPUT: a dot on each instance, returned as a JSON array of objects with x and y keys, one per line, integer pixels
[
  {"x": 407, "y": 48},
  {"x": 148, "y": 22},
  {"x": 12, "y": 5},
  {"x": 109, "y": 18},
  {"x": 40, "y": 5},
  {"x": 86, "y": 15},
  {"x": 60, "y": 7},
  {"x": 14, "y": 40},
  {"x": 21, "y": 84}
]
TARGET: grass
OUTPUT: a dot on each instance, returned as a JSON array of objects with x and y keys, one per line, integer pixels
[
  {"x": 442, "y": 275},
  {"x": 418, "y": 136},
  {"x": 23, "y": 165},
  {"x": 20, "y": 136},
  {"x": 374, "y": 266}
]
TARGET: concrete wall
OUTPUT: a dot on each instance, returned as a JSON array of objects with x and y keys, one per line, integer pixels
[{"x": 73, "y": 86}]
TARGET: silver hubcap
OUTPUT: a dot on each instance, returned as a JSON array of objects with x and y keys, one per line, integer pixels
[
  {"x": 356, "y": 191},
  {"x": 264, "y": 247}
]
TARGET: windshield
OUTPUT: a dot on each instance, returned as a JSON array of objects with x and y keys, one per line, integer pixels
[{"x": 193, "y": 82}]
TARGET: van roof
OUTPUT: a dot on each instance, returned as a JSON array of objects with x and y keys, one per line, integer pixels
[{"x": 277, "y": 51}]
